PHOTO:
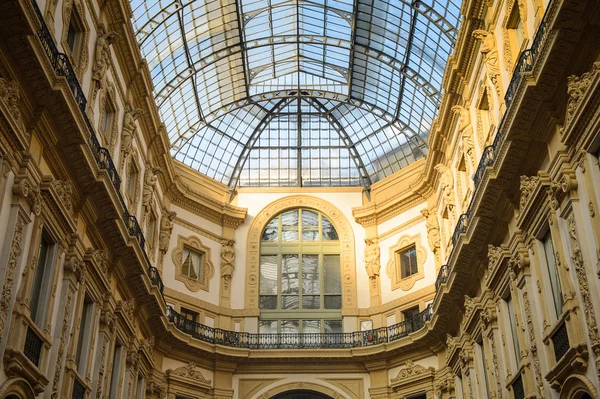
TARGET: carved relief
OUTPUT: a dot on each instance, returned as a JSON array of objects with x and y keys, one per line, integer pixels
[
  {"x": 410, "y": 369},
  {"x": 207, "y": 268},
  {"x": 129, "y": 129},
  {"x": 61, "y": 345},
  {"x": 166, "y": 228},
  {"x": 447, "y": 183},
  {"x": 150, "y": 180},
  {"x": 433, "y": 231},
  {"x": 394, "y": 267},
  {"x": 102, "y": 60},
  {"x": 490, "y": 56},
  {"x": 533, "y": 346},
  {"x": 189, "y": 371},
  {"x": 10, "y": 94},
  {"x": 372, "y": 258},
  {"x": 527, "y": 185},
  {"x": 11, "y": 269},
  {"x": 74, "y": 13},
  {"x": 576, "y": 88},
  {"x": 64, "y": 191},
  {"x": 227, "y": 261},
  {"x": 110, "y": 131},
  {"x": 466, "y": 132}
]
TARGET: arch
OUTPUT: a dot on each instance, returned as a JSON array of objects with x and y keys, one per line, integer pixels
[
  {"x": 302, "y": 393},
  {"x": 345, "y": 233},
  {"x": 300, "y": 385},
  {"x": 16, "y": 387},
  {"x": 576, "y": 386}
]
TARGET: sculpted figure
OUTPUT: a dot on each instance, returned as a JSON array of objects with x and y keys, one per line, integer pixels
[
  {"x": 372, "y": 255},
  {"x": 490, "y": 55},
  {"x": 447, "y": 183},
  {"x": 166, "y": 227},
  {"x": 433, "y": 229},
  {"x": 102, "y": 56},
  {"x": 466, "y": 131},
  {"x": 150, "y": 180},
  {"x": 128, "y": 130},
  {"x": 227, "y": 259}
]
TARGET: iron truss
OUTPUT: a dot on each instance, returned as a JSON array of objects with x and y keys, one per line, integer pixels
[{"x": 297, "y": 92}]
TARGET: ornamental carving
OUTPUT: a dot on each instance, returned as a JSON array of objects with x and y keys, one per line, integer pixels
[
  {"x": 128, "y": 309},
  {"x": 527, "y": 186},
  {"x": 533, "y": 346},
  {"x": 75, "y": 267},
  {"x": 494, "y": 255},
  {"x": 447, "y": 183},
  {"x": 576, "y": 88},
  {"x": 31, "y": 192},
  {"x": 342, "y": 226},
  {"x": 10, "y": 94},
  {"x": 588, "y": 307},
  {"x": 470, "y": 304},
  {"x": 409, "y": 370},
  {"x": 433, "y": 231},
  {"x": 148, "y": 345},
  {"x": 61, "y": 345},
  {"x": 227, "y": 261},
  {"x": 372, "y": 258},
  {"x": 11, "y": 268},
  {"x": 166, "y": 228},
  {"x": 101, "y": 258},
  {"x": 394, "y": 267},
  {"x": 150, "y": 180},
  {"x": 129, "y": 129},
  {"x": 451, "y": 342},
  {"x": 466, "y": 132},
  {"x": 64, "y": 191},
  {"x": 102, "y": 60},
  {"x": 490, "y": 56},
  {"x": 207, "y": 269},
  {"x": 189, "y": 371}
]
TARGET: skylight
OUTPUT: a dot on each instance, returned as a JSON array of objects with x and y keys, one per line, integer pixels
[{"x": 294, "y": 92}]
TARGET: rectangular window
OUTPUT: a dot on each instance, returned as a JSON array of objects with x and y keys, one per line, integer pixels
[
  {"x": 40, "y": 289},
  {"x": 191, "y": 266},
  {"x": 115, "y": 375},
  {"x": 411, "y": 313},
  {"x": 553, "y": 274},
  {"x": 151, "y": 229},
  {"x": 141, "y": 388},
  {"x": 408, "y": 262},
  {"x": 513, "y": 328},
  {"x": 485, "y": 115},
  {"x": 132, "y": 180},
  {"x": 190, "y": 315},
  {"x": 85, "y": 333},
  {"x": 483, "y": 369},
  {"x": 72, "y": 37},
  {"x": 107, "y": 119}
]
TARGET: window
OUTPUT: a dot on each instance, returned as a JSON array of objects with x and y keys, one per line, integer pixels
[
  {"x": 482, "y": 370},
  {"x": 410, "y": 317},
  {"x": 411, "y": 313},
  {"x": 106, "y": 123},
  {"x": 191, "y": 264},
  {"x": 300, "y": 274},
  {"x": 463, "y": 181},
  {"x": 42, "y": 280},
  {"x": 141, "y": 388},
  {"x": 485, "y": 116},
  {"x": 85, "y": 333},
  {"x": 553, "y": 274},
  {"x": 408, "y": 262},
  {"x": 72, "y": 37},
  {"x": 189, "y": 315},
  {"x": 517, "y": 33},
  {"x": 132, "y": 180},
  {"x": 115, "y": 374}
]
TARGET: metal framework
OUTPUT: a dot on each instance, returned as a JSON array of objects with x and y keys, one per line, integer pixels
[{"x": 297, "y": 92}]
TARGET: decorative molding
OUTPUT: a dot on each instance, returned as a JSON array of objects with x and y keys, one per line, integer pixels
[
  {"x": 189, "y": 372},
  {"x": 345, "y": 233},
  {"x": 410, "y": 370},
  {"x": 207, "y": 269},
  {"x": 198, "y": 230},
  {"x": 394, "y": 268},
  {"x": 78, "y": 61}
]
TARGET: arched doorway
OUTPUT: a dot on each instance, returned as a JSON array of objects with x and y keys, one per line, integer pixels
[{"x": 301, "y": 394}]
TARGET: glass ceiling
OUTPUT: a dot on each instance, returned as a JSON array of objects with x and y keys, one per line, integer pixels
[{"x": 297, "y": 92}]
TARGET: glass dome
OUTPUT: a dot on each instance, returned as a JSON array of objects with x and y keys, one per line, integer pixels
[{"x": 294, "y": 92}]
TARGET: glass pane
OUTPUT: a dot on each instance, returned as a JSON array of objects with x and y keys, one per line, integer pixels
[
  {"x": 310, "y": 274},
  {"x": 310, "y": 235},
  {"x": 333, "y": 326},
  {"x": 289, "y": 218},
  {"x": 310, "y": 218},
  {"x": 289, "y": 274},
  {"x": 268, "y": 275},
  {"x": 333, "y": 275},
  {"x": 267, "y": 326},
  {"x": 191, "y": 264},
  {"x": 290, "y": 326},
  {"x": 311, "y": 326},
  {"x": 329, "y": 232},
  {"x": 268, "y": 302},
  {"x": 333, "y": 302},
  {"x": 413, "y": 261},
  {"x": 410, "y": 313},
  {"x": 311, "y": 302},
  {"x": 290, "y": 302},
  {"x": 405, "y": 265},
  {"x": 289, "y": 235},
  {"x": 270, "y": 232}
]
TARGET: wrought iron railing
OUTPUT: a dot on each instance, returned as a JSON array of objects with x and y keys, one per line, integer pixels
[
  {"x": 155, "y": 278},
  {"x": 299, "y": 340},
  {"x": 487, "y": 159},
  {"x": 442, "y": 277},
  {"x": 33, "y": 346},
  {"x": 134, "y": 229},
  {"x": 461, "y": 226},
  {"x": 560, "y": 342}
]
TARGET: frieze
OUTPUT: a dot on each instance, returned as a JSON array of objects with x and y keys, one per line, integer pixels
[
  {"x": 189, "y": 372},
  {"x": 410, "y": 372}
]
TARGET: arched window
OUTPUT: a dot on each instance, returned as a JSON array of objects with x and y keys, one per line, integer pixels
[{"x": 300, "y": 275}]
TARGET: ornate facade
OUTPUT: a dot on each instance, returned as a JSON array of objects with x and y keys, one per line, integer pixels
[{"x": 126, "y": 274}]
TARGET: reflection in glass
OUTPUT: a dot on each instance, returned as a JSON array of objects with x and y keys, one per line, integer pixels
[
  {"x": 329, "y": 233},
  {"x": 311, "y": 326},
  {"x": 290, "y": 326},
  {"x": 310, "y": 274},
  {"x": 333, "y": 301},
  {"x": 267, "y": 326},
  {"x": 290, "y": 302},
  {"x": 270, "y": 232},
  {"x": 268, "y": 275},
  {"x": 332, "y": 274},
  {"x": 311, "y": 302},
  {"x": 333, "y": 326},
  {"x": 289, "y": 274}
]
